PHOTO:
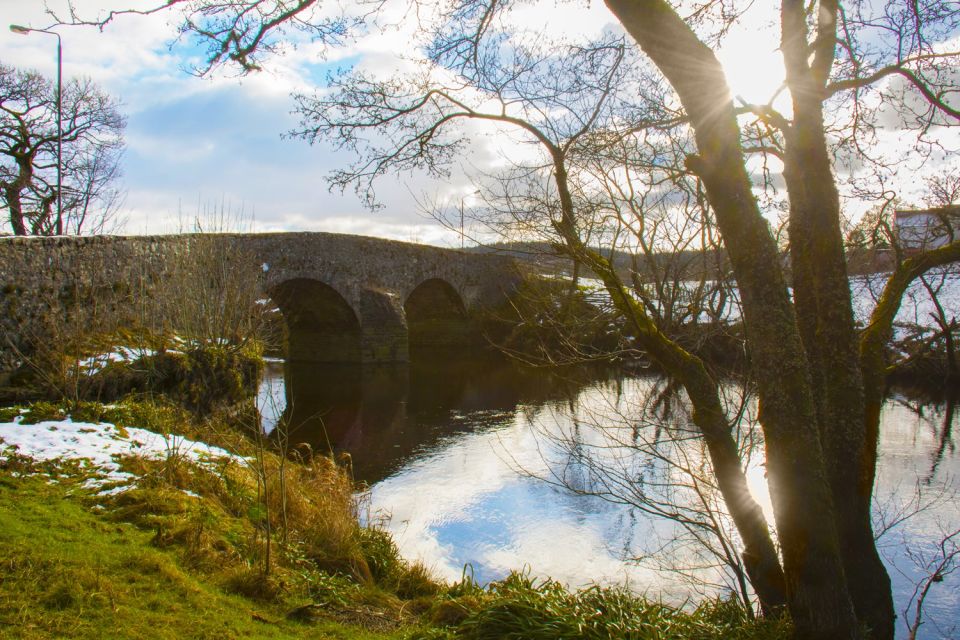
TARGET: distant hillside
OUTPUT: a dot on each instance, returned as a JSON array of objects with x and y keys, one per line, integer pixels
[{"x": 544, "y": 258}]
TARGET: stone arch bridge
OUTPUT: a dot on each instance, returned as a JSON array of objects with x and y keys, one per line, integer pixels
[{"x": 344, "y": 298}]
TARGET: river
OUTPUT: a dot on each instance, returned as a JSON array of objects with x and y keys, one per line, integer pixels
[{"x": 463, "y": 460}]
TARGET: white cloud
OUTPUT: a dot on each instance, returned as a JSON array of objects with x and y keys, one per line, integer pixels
[{"x": 215, "y": 139}]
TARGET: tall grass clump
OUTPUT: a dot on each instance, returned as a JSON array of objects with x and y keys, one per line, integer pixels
[
  {"x": 521, "y": 608},
  {"x": 392, "y": 572},
  {"x": 314, "y": 510}
]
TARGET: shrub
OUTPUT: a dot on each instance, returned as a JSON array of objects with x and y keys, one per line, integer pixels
[
  {"x": 201, "y": 379},
  {"x": 202, "y": 376},
  {"x": 550, "y": 322},
  {"x": 207, "y": 377}
]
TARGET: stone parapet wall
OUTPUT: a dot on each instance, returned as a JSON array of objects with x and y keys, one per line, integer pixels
[{"x": 73, "y": 284}]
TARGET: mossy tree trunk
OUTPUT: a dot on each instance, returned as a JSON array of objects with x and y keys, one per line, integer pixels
[
  {"x": 759, "y": 556},
  {"x": 824, "y": 311},
  {"x": 818, "y": 597}
]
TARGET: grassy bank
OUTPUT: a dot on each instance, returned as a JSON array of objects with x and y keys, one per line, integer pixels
[
  {"x": 70, "y": 573},
  {"x": 174, "y": 542}
]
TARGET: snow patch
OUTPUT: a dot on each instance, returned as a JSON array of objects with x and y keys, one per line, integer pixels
[{"x": 99, "y": 446}]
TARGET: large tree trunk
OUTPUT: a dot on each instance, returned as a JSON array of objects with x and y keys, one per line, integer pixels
[
  {"x": 825, "y": 315},
  {"x": 806, "y": 521},
  {"x": 822, "y": 298},
  {"x": 12, "y": 196}
]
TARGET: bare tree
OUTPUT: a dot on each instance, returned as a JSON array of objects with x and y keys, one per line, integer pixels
[
  {"x": 848, "y": 66},
  {"x": 805, "y": 349},
  {"x": 92, "y": 146},
  {"x": 568, "y": 102}
]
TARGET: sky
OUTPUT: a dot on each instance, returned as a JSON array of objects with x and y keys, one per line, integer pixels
[
  {"x": 197, "y": 145},
  {"x": 201, "y": 144}
]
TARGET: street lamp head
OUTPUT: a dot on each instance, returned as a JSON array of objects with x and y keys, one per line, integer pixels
[{"x": 16, "y": 28}]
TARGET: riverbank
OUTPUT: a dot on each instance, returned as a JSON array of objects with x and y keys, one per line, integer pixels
[
  {"x": 69, "y": 572},
  {"x": 152, "y": 533}
]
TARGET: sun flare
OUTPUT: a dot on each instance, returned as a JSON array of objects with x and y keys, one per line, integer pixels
[
  {"x": 754, "y": 71},
  {"x": 750, "y": 55}
]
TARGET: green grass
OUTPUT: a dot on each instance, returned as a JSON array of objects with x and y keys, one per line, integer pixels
[{"x": 66, "y": 572}]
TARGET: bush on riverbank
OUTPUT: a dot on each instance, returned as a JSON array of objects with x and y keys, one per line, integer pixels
[
  {"x": 549, "y": 321},
  {"x": 202, "y": 377}
]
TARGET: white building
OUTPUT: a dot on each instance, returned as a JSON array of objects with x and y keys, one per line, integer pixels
[{"x": 925, "y": 229}]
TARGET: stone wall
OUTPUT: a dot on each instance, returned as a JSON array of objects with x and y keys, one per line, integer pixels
[{"x": 49, "y": 286}]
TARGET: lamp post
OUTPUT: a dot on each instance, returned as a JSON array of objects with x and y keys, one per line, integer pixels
[{"x": 16, "y": 28}]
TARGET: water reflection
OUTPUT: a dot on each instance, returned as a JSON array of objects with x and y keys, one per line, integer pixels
[
  {"x": 441, "y": 444},
  {"x": 934, "y": 415},
  {"x": 919, "y": 469},
  {"x": 385, "y": 415}
]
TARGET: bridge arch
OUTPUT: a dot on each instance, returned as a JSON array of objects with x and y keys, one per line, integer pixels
[
  {"x": 326, "y": 285},
  {"x": 321, "y": 326},
  {"x": 437, "y": 318}
]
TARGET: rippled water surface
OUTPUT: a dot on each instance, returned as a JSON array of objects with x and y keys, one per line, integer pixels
[{"x": 455, "y": 452}]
